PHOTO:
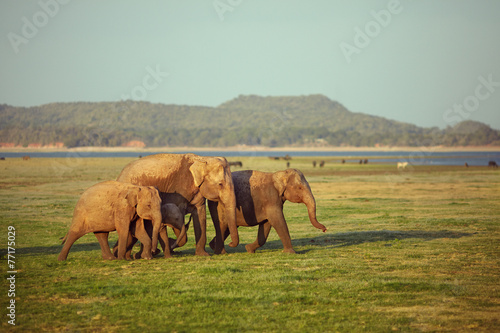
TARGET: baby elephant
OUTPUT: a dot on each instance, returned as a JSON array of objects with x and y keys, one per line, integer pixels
[
  {"x": 142, "y": 229},
  {"x": 110, "y": 206},
  {"x": 259, "y": 201}
]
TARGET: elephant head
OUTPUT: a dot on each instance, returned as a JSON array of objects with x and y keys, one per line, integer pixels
[
  {"x": 293, "y": 186},
  {"x": 147, "y": 201},
  {"x": 173, "y": 217},
  {"x": 213, "y": 177}
]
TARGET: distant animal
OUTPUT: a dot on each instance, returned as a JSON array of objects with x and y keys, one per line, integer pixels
[
  {"x": 492, "y": 164},
  {"x": 402, "y": 165},
  {"x": 466, "y": 165},
  {"x": 314, "y": 164},
  {"x": 26, "y": 157},
  {"x": 321, "y": 164},
  {"x": 287, "y": 164},
  {"x": 365, "y": 161},
  {"x": 236, "y": 163},
  {"x": 2, "y": 158},
  {"x": 343, "y": 161},
  {"x": 360, "y": 161}
]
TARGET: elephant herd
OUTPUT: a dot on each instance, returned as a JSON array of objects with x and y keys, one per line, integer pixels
[{"x": 159, "y": 190}]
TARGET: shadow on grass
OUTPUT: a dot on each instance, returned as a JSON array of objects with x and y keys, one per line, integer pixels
[
  {"x": 326, "y": 240},
  {"x": 358, "y": 237},
  {"x": 55, "y": 249}
]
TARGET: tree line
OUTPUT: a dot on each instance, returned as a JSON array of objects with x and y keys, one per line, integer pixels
[{"x": 247, "y": 120}]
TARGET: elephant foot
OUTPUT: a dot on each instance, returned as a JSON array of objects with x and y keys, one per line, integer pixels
[
  {"x": 167, "y": 256},
  {"x": 202, "y": 253},
  {"x": 289, "y": 251},
  {"x": 157, "y": 251},
  {"x": 108, "y": 257},
  {"x": 250, "y": 248}
]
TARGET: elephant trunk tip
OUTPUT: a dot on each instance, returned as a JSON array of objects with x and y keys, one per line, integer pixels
[
  {"x": 319, "y": 226},
  {"x": 63, "y": 239}
]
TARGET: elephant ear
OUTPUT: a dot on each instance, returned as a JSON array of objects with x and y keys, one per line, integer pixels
[
  {"x": 280, "y": 181},
  {"x": 132, "y": 196},
  {"x": 198, "y": 170}
]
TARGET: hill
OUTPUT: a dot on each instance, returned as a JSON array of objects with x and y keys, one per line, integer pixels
[{"x": 248, "y": 119}]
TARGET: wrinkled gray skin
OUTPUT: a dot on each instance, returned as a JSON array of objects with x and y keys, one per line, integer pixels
[
  {"x": 259, "y": 201},
  {"x": 196, "y": 179},
  {"x": 140, "y": 229},
  {"x": 110, "y": 206}
]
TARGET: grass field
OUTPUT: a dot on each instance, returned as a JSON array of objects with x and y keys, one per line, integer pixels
[{"x": 414, "y": 250}]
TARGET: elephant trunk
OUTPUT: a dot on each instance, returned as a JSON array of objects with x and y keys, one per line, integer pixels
[
  {"x": 181, "y": 237},
  {"x": 311, "y": 210},
  {"x": 156, "y": 221},
  {"x": 229, "y": 210}
]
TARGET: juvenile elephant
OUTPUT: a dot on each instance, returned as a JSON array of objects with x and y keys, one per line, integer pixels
[
  {"x": 196, "y": 179},
  {"x": 171, "y": 217},
  {"x": 259, "y": 201},
  {"x": 110, "y": 206}
]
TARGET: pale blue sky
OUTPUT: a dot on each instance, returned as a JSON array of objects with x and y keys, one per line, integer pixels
[{"x": 421, "y": 57}]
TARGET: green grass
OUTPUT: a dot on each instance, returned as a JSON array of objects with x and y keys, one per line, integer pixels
[{"x": 405, "y": 251}]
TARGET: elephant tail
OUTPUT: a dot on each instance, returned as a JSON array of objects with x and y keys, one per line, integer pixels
[{"x": 64, "y": 239}]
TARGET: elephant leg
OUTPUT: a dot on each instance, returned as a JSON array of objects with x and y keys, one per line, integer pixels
[
  {"x": 161, "y": 239},
  {"x": 70, "y": 239},
  {"x": 164, "y": 241},
  {"x": 263, "y": 233},
  {"x": 143, "y": 236},
  {"x": 122, "y": 241},
  {"x": 217, "y": 243},
  {"x": 200, "y": 230},
  {"x": 279, "y": 224},
  {"x": 131, "y": 240},
  {"x": 102, "y": 237}
]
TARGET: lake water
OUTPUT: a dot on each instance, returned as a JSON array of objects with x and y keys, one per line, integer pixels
[{"x": 422, "y": 157}]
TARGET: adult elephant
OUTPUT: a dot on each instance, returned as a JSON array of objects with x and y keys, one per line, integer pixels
[
  {"x": 194, "y": 178},
  {"x": 259, "y": 201}
]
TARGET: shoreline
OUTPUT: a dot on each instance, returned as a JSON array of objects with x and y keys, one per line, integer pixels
[{"x": 258, "y": 148}]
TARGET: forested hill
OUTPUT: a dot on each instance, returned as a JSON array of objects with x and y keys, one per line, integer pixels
[{"x": 252, "y": 120}]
